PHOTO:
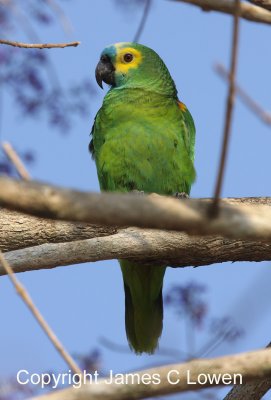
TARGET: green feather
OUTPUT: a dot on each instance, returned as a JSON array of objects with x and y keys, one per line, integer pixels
[
  {"x": 143, "y": 140},
  {"x": 143, "y": 305}
]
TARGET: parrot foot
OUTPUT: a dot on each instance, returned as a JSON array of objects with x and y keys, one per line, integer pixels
[
  {"x": 181, "y": 195},
  {"x": 154, "y": 195},
  {"x": 138, "y": 192}
]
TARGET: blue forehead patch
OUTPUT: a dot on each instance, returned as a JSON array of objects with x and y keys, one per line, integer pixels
[{"x": 110, "y": 51}]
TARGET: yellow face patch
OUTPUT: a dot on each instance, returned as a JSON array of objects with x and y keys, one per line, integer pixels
[{"x": 127, "y": 58}]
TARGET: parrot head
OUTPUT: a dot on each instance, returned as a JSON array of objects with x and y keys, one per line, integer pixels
[{"x": 132, "y": 65}]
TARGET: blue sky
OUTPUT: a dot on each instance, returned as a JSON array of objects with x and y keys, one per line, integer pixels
[{"x": 85, "y": 302}]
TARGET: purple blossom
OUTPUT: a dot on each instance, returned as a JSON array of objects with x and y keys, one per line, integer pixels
[{"x": 186, "y": 300}]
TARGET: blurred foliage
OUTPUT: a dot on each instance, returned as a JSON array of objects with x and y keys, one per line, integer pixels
[
  {"x": 90, "y": 362},
  {"x": 29, "y": 75},
  {"x": 188, "y": 302}
]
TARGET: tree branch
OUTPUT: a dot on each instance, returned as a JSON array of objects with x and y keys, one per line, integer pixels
[
  {"x": 38, "y": 45},
  {"x": 254, "y": 390},
  {"x": 17, "y": 162},
  {"x": 262, "y": 3},
  {"x": 254, "y": 365},
  {"x": 239, "y": 218},
  {"x": 249, "y": 12},
  {"x": 152, "y": 247},
  {"x": 19, "y": 230}
]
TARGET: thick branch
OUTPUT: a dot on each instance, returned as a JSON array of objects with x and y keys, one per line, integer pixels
[
  {"x": 247, "y": 11},
  {"x": 254, "y": 390},
  {"x": 242, "y": 219},
  {"x": 19, "y": 230},
  {"x": 38, "y": 45},
  {"x": 153, "y": 247},
  {"x": 251, "y": 366}
]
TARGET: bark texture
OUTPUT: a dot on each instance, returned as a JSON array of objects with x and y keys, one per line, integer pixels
[
  {"x": 262, "y": 3},
  {"x": 250, "y": 391},
  {"x": 18, "y": 230},
  {"x": 247, "y": 218},
  {"x": 153, "y": 247}
]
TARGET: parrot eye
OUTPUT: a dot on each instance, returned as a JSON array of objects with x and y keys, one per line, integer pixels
[{"x": 128, "y": 57}]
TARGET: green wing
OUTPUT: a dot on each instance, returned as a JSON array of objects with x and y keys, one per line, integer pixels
[
  {"x": 189, "y": 130},
  {"x": 91, "y": 144}
]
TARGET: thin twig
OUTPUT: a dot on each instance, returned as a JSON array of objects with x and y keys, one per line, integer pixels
[
  {"x": 28, "y": 301},
  {"x": 213, "y": 343},
  {"x": 27, "y": 27},
  {"x": 13, "y": 156},
  {"x": 247, "y": 100},
  {"x": 229, "y": 111},
  {"x": 38, "y": 45},
  {"x": 17, "y": 162},
  {"x": 143, "y": 21}
]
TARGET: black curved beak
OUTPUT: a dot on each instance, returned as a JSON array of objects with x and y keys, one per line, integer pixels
[{"x": 105, "y": 72}]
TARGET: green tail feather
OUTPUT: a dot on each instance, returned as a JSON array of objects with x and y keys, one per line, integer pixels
[{"x": 143, "y": 305}]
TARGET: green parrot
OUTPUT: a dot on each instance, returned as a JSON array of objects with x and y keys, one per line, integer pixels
[{"x": 143, "y": 140}]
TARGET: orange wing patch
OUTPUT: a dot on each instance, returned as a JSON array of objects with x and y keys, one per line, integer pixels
[{"x": 182, "y": 106}]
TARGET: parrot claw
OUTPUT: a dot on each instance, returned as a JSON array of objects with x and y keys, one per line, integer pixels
[
  {"x": 138, "y": 192},
  {"x": 181, "y": 195}
]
